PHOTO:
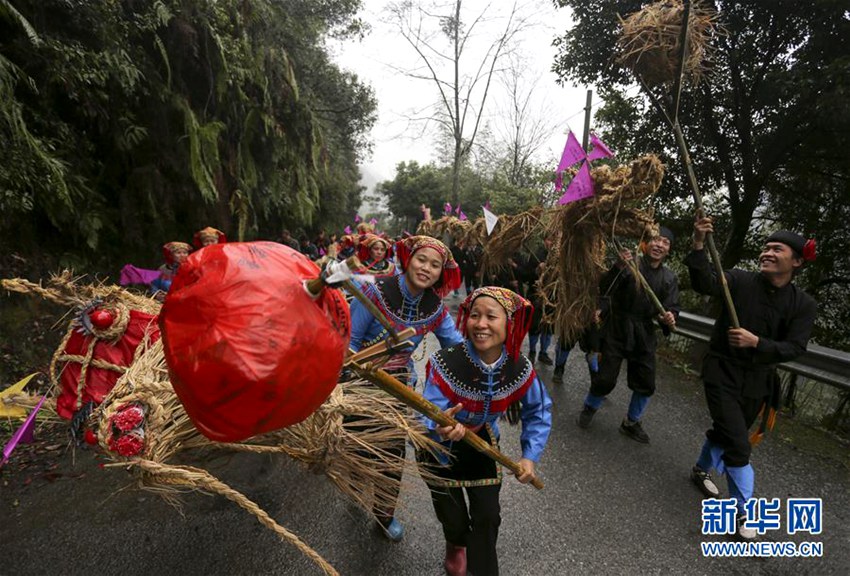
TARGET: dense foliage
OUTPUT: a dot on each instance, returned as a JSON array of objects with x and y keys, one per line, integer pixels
[{"x": 126, "y": 124}]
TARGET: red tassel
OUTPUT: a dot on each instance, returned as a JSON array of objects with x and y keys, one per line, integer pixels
[
  {"x": 450, "y": 280},
  {"x": 810, "y": 250},
  {"x": 403, "y": 253},
  {"x": 363, "y": 252},
  {"x": 462, "y": 317}
]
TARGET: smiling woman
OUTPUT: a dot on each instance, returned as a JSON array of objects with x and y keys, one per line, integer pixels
[
  {"x": 411, "y": 299},
  {"x": 476, "y": 382}
]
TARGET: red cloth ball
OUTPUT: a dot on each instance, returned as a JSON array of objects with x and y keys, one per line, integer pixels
[
  {"x": 101, "y": 319},
  {"x": 248, "y": 350}
]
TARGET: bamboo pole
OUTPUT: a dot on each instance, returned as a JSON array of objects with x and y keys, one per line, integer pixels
[
  {"x": 416, "y": 401},
  {"x": 672, "y": 119}
]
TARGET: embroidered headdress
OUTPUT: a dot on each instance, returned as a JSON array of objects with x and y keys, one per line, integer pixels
[
  {"x": 170, "y": 248},
  {"x": 208, "y": 233},
  {"x": 450, "y": 279},
  {"x": 518, "y": 309},
  {"x": 366, "y": 246}
]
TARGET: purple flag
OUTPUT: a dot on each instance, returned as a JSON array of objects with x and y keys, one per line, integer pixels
[
  {"x": 24, "y": 434},
  {"x": 462, "y": 215},
  {"x": 132, "y": 275},
  {"x": 373, "y": 221},
  {"x": 347, "y": 230},
  {"x": 572, "y": 153},
  {"x": 487, "y": 206},
  {"x": 600, "y": 149},
  {"x": 580, "y": 187},
  {"x": 457, "y": 210},
  {"x": 356, "y": 218},
  {"x": 447, "y": 209}
]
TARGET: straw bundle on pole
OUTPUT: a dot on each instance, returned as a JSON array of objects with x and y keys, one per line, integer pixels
[
  {"x": 512, "y": 233},
  {"x": 569, "y": 286},
  {"x": 650, "y": 41},
  {"x": 445, "y": 226},
  {"x": 685, "y": 58}
]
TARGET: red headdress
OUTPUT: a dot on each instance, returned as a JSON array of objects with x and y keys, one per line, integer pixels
[
  {"x": 450, "y": 279},
  {"x": 365, "y": 250},
  {"x": 518, "y": 309},
  {"x": 169, "y": 249},
  {"x": 208, "y": 232}
]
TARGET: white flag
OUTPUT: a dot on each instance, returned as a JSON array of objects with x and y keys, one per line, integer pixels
[{"x": 490, "y": 220}]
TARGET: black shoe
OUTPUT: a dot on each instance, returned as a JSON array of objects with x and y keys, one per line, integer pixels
[
  {"x": 558, "y": 375},
  {"x": 532, "y": 356},
  {"x": 545, "y": 359},
  {"x": 585, "y": 417},
  {"x": 704, "y": 482},
  {"x": 634, "y": 431}
]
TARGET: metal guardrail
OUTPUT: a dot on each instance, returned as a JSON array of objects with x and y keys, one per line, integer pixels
[{"x": 818, "y": 363}]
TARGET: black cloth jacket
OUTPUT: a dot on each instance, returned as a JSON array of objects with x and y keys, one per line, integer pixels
[{"x": 782, "y": 318}]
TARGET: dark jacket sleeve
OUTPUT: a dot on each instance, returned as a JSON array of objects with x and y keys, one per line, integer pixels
[{"x": 703, "y": 278}]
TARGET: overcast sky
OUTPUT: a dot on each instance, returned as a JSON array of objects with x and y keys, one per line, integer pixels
[{"x": 378, "y": 57}]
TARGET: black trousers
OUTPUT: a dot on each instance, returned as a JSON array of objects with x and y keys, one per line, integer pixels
[
  {"x": 640, "y": 366},
  {"x": 475, "y": 526},
  {"x": 734, "y": 395}
]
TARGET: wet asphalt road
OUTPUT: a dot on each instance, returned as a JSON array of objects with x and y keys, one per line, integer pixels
[{"x": 610, "y": 506}]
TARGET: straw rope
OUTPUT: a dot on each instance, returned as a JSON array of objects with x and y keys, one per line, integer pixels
[
  {"x": 199, "y": 479},
  {"x": 348, "y": 439}
]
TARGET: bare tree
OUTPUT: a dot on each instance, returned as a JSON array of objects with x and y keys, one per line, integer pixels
[
  {"x": 520, "y": 127},
  {"x": 439, "y": 35}
]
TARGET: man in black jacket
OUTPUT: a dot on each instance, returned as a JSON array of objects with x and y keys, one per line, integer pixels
[
  {"x": 776, "y": 320},
  {"x": 629, "y": 332}
]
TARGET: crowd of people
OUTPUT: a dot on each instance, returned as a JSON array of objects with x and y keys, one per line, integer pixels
[{"x": 480, "y": 376}]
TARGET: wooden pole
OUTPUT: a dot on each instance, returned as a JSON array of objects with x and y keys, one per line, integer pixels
[
  {"x": 672, "y": 118},
  {"x": 635, "y": 269},
  {"x": 416, "y": 401},
  {"x": 683, "y": 46},
  {"x": 585, "y": 137}
]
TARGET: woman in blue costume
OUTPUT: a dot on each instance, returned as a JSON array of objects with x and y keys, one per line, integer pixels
[
  {"x": 412, "y": 298},
  {"x": 476, "y": 382}
]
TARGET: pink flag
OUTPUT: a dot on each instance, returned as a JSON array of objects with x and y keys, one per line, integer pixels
[
  {"x": 572, "y": 153},
  {"x": 356, "y": 218},
  {"x": 24, "y": 434},
  {"x": 347, "y": 230},
  {"x": 580, "y": 187},
  {"x": 457, "y": 210},
  {"x": 462, "y": 215},
  {"x": 487, "y": 205},
  {"x": 600, "y": 149},
  {"x": 373, "y": 221},
  {"x": 447, "y": 209}
]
